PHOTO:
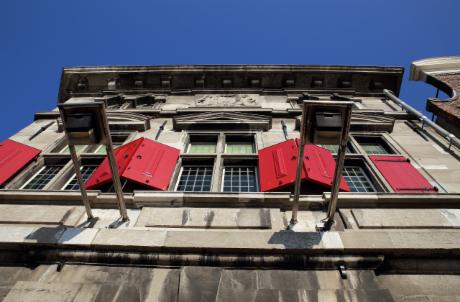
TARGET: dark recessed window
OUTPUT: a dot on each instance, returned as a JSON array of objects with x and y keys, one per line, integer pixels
[
  {"x": 200, "y": 144},
  {"x": 42, "y": 177},
  {"x": 374, "y": 145},
  {"x": 239, "y": 144},
  {"x": 357, "y": 179},
  {"x": 195, "y": 178},
  {"x": 240, "y": 179},
  {"x": 86, "y": 171}
]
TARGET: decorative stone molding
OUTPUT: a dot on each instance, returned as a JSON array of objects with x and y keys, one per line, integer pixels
[
  {"x": 222, "y": 120},
  {"x": 270, "y": 79},
  {"x": 227, "y": 100}
]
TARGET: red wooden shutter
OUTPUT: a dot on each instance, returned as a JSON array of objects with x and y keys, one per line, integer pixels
[
  {"x": 277, "y": 165},
  {"x": 152, "y": 164},
  {"x": 13, "y": 157},
  {"x": 142, "y": 161},
  {"x": 103, "y": 174},
  {"x": 401, "y": 175},
  {"x": 319, "y": 167}
]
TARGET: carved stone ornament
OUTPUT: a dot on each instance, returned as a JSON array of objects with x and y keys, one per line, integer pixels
[{"x": 227, "y": 100}]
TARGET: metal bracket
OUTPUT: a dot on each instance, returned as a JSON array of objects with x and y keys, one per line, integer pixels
[{"x": 343, "y": 271}]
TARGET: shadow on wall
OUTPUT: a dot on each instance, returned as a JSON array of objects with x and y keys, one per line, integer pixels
[{"x": 296, "y": 240}]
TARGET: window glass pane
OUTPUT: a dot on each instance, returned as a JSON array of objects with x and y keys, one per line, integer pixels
[
  {"x": 335, "y": 148},
  {"x": 43, "y": 177},
  {"x": 202, "y": 147},
  {"x": 357, "y": 179},
  {"x": 373, "y": 148},
  {"x": 86, "y": 171},
  {"x": 195, "y": 179},
  {"x": 101, "y": 149},
  {"x": 240, "y": 179},
  {"x": 239, "y": 147},
  {"x": 78, "y": 148}
]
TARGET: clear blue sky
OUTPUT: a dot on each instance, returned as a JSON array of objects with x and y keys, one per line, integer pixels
[{"x": 39, "y": 37}]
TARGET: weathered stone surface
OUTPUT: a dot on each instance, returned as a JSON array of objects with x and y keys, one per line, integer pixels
[
  {"x": 407, "y": 218},
  {"x": 11, "y": 234},
  {"x": 36, "y": 214},
  {"x": 204, "y": 218},
  {"x": 253, "y": 240},
  {"x": 401, "y": 239},
  {"x": 199, "y": 284},
  {"x": 111, "y": 217},
  {"x": 413, "y": 287},
  {"x": 26, "y": 291},
  {"x": 126, "y": 238},
  {"x": 164, "y": 286},
  {"x": 78, "y": 236}
]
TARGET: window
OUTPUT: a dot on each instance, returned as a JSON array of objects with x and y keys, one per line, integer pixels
[
  {"x": 86, "y": 171},
  {"x": 373, "y": 148},
  {"x": 78, "y": 148},
  {"x": 225, "y": 162},
  {"x": 101, "y": 148},
  {"x": 335, "y": 148},
  {"x": 118, "y": 139},
  {"x": 194, "y": 178},
  {"x": 240, "y": 179},
  {"x": 239, "y": 144},
  {"x": 357, "y": 179},
  {"x": 374, "y": 145},
  {"x": 42, "y": 177},
  {"x": 200, "y": 144},
  {"x": 114, "y": 106}
]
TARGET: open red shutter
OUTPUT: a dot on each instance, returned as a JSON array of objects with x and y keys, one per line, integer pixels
[
  {"x": 401, "y": 175},
  {"x": 103, "y": 174},
  {"x": 142, "y": 161},
  {"x": 152, "y": 165},
  {"x": 13, "y": 157},
  {"x": 319, "y": 167},
  {"x": 277, "y": 165}
]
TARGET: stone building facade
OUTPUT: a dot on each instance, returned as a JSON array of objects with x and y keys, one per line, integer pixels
[{"x": 195, "y": 146}]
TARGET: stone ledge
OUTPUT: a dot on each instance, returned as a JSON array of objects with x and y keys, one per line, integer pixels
[
  {"x": 265, "y": 242},
  {"x": 279, "y": 200}
]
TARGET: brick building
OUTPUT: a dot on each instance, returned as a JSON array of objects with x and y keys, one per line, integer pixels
[{"x": 206, "y": 157}]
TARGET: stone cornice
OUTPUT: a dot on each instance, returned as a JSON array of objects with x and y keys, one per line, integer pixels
[{"x": 95, "y": 81}]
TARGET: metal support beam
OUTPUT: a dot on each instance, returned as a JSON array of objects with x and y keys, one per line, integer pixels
[
  {"x": 339, "y": 167},
  {"x": 81, "y": 183},
  {"x": 114, "y": 168}
]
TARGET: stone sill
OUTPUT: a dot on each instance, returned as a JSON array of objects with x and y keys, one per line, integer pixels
[{"x": 219, "y": 199}]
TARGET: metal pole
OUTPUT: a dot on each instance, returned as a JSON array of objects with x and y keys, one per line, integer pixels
[
  {"x": 339, "y": 168},
  {"x": 295, "y": 204},
  {"x": 114, "y": 169},
  {"x": 81, "y": 183},
  {"x": 298, "y": 176},
  {"x": 283, "y": 125},
  {"x": 161, "y": 128}
]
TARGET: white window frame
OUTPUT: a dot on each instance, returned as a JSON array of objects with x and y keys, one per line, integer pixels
[
  {"x": 36, "y": 174},
  {"x": 32, "y": 178},
  {"x": 74, "y": 175},
  {"x": 365, "y": 176},
  {"x": 66, "y": 146},
  {"x": 182, "y": 170},
  {"x": 253, "y": 147},
  {"x": 256, "y": 174},
  {"x": 190, "y": 145}
]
